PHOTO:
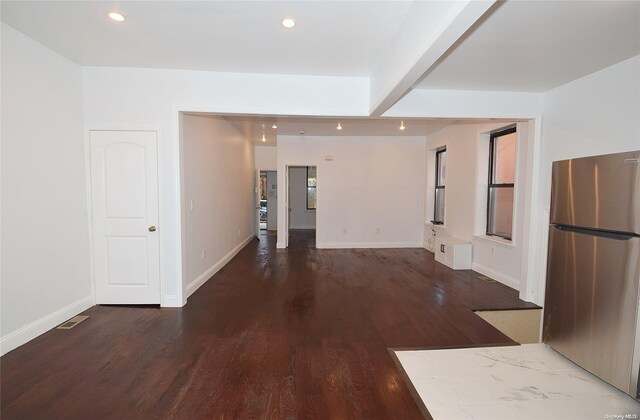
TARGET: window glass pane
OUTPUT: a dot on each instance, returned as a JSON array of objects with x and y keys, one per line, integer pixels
[
  {"x": 442, "y": 168},
  {"x": 311, "y": 197},
  {"x": 500, "y": 211},
  {"x": 311, "y": 176},
  {"x": 439, "y": 208},
  {"x": 504, "y": 159}
]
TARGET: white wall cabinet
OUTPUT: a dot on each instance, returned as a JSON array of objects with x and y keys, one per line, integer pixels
[{"x": 454, "y": 253}]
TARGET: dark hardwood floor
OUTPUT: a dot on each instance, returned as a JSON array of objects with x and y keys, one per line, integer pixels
[{"x": 298, "y": 333}]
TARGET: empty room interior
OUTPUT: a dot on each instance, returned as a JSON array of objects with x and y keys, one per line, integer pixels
[{"x": 320, "y": 209}]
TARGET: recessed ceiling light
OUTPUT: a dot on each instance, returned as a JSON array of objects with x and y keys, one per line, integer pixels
[
  {"x": 339, "y": 127},
  {"x": 117, "y": 17},
  {"x": 288, "y": 23}
]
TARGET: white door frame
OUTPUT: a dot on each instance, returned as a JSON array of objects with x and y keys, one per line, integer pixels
[{"x": 87, "y": 166}]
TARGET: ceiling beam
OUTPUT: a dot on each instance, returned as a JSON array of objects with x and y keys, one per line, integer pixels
[{"x": 429, "y": 30}]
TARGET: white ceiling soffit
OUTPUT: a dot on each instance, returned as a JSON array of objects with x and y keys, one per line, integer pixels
[
  {"x": 251, "y": 127},
  {"x": 534, "y": 46},
  {"x": 332, "y": 38}
]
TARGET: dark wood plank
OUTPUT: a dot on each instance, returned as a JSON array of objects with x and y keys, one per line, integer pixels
[{"x": 298, "y": 333}]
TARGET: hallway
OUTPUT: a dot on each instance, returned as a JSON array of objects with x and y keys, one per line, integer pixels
[{"x": 300, "y": 333}]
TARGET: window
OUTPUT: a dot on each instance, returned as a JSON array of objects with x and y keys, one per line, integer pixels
[
  {"x": 441, "y": 169},
  {"x": 311, "y": 188},
  {"x": 502, "y": 172}
]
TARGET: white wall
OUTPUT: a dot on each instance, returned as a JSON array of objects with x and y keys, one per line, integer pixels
[
  {"x": 597, "y": 114},
  {"x": 370, "y": 195},
  {"x": 301, "y": 217},
  {"x": 128, "y": 98},
  {"x": 218, "y": 165},
  {"x": 466, "y": 195},
  {"x": 266, "y": 158},
  {"x": 45, "y": 229}
]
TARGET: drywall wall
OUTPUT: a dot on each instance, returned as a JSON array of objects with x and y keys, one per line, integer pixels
[
  {"x": 45, "y": 229},
  {"x": 128, "y": 98},
  {"x": 266, "y": 158},
  {"x": 301, "y": 217},
  {"x": 466, "y": 194},
  {"x": 272, "y": 200},
  {"x": 370, "y": 189},
  {"x": 594, "y": 115},
  {"x": 219, "y": 208}
]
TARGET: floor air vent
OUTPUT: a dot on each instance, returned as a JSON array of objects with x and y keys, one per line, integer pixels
[{"x": 67, "y": 325}]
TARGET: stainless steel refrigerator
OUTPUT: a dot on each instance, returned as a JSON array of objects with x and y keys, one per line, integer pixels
[{"x": 593, "y": 269}]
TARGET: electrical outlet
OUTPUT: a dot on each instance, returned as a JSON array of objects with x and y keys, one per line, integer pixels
[
  {"x": 238, "y": 232},
  {"x": 204, "y": 253},
  {"x": 493, "y": 251},
  {"x": 377, "y": 231},
  {"x": 344, "y": 231},
  {"x": 193, "y": 204}
]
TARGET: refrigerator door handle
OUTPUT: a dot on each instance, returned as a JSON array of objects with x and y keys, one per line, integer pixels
[{"x": 621, "y": 236}]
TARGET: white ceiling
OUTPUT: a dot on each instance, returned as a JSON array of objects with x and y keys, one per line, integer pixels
[
  {"x": 518, "y": 46},
  {"x": 251, "y": 127},
  {"x": 341, "y": 38},
  {"x": 537, "y": 45}
]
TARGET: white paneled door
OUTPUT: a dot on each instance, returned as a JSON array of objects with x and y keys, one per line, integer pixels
[{"x": 124, "y": 195}]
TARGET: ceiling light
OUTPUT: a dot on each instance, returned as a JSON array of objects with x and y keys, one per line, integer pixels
[
  {"x": 263, "y": 139},
  {"x": 117, "y": 17},
  {"x": 402, "y": 127},
  {"x": 288, "y": 23},
  {"x": 339, "y": 127},
  {"x": 274, "y": 126}
]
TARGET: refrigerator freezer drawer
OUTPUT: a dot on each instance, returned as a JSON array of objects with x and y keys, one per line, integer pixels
[
  {"x": 591, "y": 304},
  {"x": 600, "y": 192}
]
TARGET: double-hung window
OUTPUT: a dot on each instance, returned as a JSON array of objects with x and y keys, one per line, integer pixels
[
  {"x": 441, "y": 168},
  {"x": 502, "y": 172}
]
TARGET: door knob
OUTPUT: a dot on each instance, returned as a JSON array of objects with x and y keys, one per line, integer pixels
[{"x": 152, "y": 228}]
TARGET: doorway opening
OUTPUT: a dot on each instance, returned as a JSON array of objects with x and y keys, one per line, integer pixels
[
  {"x": 263, "y": 201},
  {"x": 268, "y": 201},
  {"x": 302, "y": 204}
]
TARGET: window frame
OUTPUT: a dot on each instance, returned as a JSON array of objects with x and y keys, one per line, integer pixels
[
  {"x": 315, "y": 187},
  {"x": 438, "y": 187},
  {"x": 491, "y": 185}
]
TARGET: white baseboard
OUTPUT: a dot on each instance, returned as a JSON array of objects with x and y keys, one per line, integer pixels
[
  {"x": 341, "y": 245},
  {"x": 508, "y": 281},
  {"x": 29, "y": 332},
  {"x": 202, "y": 279}
]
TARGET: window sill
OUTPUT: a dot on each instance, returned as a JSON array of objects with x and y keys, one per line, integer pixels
[{"x": 495, "y": 240}]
